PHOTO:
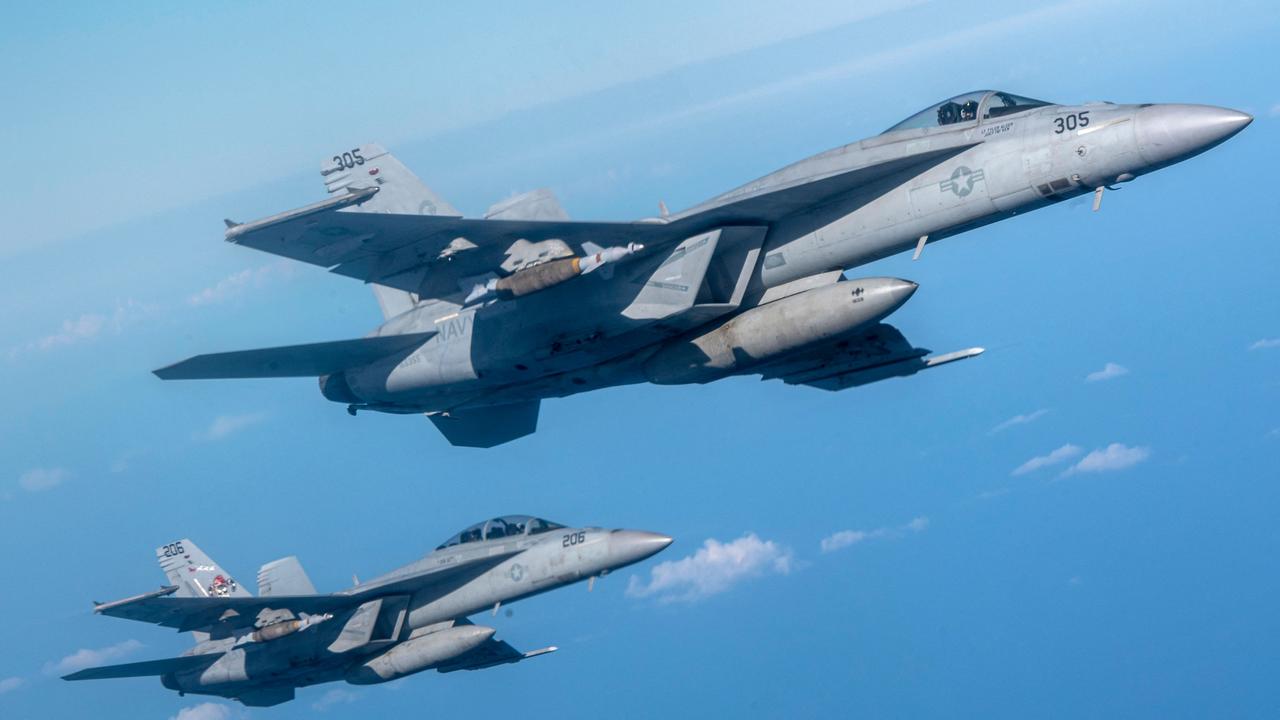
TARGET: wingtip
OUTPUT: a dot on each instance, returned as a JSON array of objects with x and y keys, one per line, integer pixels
[{"x": 170, "y": 371}]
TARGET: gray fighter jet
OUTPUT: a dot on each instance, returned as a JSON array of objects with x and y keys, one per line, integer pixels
[
  {"x": 258, "y": 650},
  {"x": 486, "y": 317}
]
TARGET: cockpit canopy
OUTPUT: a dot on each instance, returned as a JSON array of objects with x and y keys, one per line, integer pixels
[
  {"x": 968, "y": 107},
  {"x": 501, "y": 527}
]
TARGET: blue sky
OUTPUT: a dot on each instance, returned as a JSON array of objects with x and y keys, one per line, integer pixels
[{"x": 1001, "y": 537}]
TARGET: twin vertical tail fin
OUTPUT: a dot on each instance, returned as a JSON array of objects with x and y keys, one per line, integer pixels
[
  {"x": 399, "y": 192},
  {"x": 371, "y": 166},
  {"x": 196, "y": 574},
  {"x": 284, "y": 577}
]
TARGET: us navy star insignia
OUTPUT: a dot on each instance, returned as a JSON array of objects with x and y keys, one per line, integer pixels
[{"x": 962, "y": 181}]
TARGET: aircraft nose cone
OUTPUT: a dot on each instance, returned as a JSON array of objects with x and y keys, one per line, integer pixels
[
  {"x": 1170, "y": 133},
  {"x": 630, "y": 546}
]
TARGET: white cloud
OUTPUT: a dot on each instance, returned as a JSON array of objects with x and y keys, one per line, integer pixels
[
  {"x": 713, "y": 569},
  {"x": 84, "y": 657},
  {"x": 225, "y": 425},
  {"x": 203, "y": 711},
  {"x": 1019, "y": 420},
  {"x": 10, "y": 684},
  {"x": 1275, "y": 110},
  {"x": 1109, "y": 371},
  {"x": 236, "y": 283},
  {"x": 1061, "y": 455},
  {"x": 336, "y": 696},
  {"x": 38, "y": 479},
  {"x": 1265, "y": 343},
  {"x": 1275, "y": 433},
  {"x": 845, "y": 538},
  {"x": 84, "y": 328},
  {"x": 1113, "y": 457}
]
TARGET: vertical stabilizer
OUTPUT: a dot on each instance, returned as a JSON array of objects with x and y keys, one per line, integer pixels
[
  {"x": 399, "y": 192},
  {"x": 392, "y": 301},
  {"x": 195, "y": 573},
  {"x": 284, "y": 577}
]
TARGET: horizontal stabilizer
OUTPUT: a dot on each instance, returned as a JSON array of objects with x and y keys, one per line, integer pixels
[
  {"x": 146, "y": 668},
  {"x": 311, "y": 360},
  {"x": 486, "y": 427}
]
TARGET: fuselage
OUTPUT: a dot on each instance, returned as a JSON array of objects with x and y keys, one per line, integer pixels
[
  {"x": 410, "y": 608},
  {"x": 988, "y": 162}
]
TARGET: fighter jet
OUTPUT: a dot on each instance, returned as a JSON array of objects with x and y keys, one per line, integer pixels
[
  {"x": 486, "y": 317},
  {"x": 258, "y": 650}
]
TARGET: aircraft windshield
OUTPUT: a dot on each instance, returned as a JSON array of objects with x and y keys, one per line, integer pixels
[
  {"x": 1003, "y": 103},
  {"x": 501, "y": 527},
  {"x": 966, "y": 108}
]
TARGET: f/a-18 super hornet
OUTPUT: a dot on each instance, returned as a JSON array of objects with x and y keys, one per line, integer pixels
[
  {"x": 258, "y": 650},
  {"x": 486, "y": 317}
]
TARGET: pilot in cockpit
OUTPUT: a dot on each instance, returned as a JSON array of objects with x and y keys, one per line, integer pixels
[{"x": 951, "y": 112}]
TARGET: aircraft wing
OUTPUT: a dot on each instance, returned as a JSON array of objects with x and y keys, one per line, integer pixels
[
  {"x": 878, "y": 353},
  {"x": 394, "y": 249},
  {"x": 431, "y": 254},
  {"x": 195, "y": 613}
]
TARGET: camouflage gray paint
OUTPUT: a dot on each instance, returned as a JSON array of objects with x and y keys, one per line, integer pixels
[
  {"x": 698, "y": 292},
  {"x": 258, "y": 650}
]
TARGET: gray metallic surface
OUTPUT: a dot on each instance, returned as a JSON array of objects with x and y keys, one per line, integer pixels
[
  {"x": 499, "y": 318},
  {"x": 406, "y": 621}
]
